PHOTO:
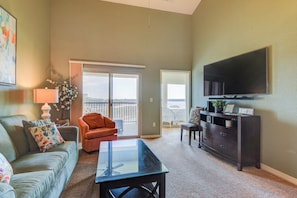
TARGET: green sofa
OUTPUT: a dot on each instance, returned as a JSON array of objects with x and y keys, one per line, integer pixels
[{"x": 36, "y": 174}]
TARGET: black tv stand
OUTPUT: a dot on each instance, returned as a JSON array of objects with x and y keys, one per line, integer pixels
[{"x": 235, "y": 138}]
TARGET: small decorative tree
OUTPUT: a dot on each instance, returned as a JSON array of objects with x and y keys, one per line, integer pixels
[
  {"x": 67, "y": 94},
  {"x": 218, "y": 105}
]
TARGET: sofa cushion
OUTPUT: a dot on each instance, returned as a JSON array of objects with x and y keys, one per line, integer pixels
[
  {"x": 6, "y": 146},
  {"x": 100, "y": 132},
  {"x": 6, "y": 191},
  {"x": 46, "y": 136},
  {"x": 32, "y": 123},
  {"x": 40, "y": 161},
  {"x": 68, "y": 146},
  {"x": 14, "y": 127},
  {"x": 33, "y": 184},
  {"x": 94, "y": 120},
  {"x": 5, "y": 170}
]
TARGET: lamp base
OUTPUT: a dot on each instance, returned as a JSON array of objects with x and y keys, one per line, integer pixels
[{"x": 46, "y": 111}]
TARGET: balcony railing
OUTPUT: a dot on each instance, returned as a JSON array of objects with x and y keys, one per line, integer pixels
[{"x": 126, "y": 110}]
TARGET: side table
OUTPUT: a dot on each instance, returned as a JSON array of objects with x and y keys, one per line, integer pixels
[{"x": 64, "y": 122}]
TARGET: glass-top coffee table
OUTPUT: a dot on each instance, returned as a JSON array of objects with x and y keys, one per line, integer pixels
[{"x": 129, "y": 167}]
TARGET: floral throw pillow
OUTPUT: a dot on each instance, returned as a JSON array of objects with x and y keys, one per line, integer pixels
[
  {"x": 33, "y": 123},
  {"x": 5, "y": 170},
  {"x": 46, "y": 136}
]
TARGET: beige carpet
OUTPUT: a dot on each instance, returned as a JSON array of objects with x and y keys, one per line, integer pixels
[{"x": 193, "y": 173}]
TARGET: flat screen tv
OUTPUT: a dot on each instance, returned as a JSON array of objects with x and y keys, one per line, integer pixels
[{"x": 245, "y": 74}]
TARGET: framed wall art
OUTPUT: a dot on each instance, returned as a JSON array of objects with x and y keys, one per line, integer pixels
[{"x": 8, "y": 36}]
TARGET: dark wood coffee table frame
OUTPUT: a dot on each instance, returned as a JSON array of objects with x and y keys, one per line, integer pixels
[
  {"x": 134, "y": 180},
  {"x": 135, "y": 183}
]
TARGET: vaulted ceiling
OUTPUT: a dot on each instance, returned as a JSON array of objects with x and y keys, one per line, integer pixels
[{"x": 177, "y": 6}]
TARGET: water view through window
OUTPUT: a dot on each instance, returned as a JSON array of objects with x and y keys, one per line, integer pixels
[
  {"x": 175, "y": 97},
  {"x": 115, "y": 96}
]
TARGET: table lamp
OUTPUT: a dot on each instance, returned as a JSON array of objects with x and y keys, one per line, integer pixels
[{"x": 46, "y": 96}]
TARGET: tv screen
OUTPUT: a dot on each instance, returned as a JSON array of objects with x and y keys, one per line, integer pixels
[{"x": 240, "y": 75}]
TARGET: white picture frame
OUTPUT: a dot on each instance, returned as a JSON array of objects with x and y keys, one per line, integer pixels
[{"x": 229, "y": 108}]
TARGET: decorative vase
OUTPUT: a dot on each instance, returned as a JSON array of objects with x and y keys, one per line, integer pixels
[{"x": 218, "y": 109}]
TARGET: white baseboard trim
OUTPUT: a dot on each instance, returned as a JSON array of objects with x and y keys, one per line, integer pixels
[
  {"x": 150, "y": 136},
  {"x": 280, "y": 174}
]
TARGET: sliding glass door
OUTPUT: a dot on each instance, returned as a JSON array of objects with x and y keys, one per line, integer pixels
[
  {"x": 114, "y": 95},
  {"x": 124, "y": 103}
]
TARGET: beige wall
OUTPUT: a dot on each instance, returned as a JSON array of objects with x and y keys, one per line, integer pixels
[
  {"x": 33, "y": 56},
  {"x": 222, "y": 29},
  {"x": 107, "y": 32},
  {"x": 104, "y": 31}
]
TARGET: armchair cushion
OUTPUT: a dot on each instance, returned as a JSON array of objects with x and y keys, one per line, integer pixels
[
  {"x": 94, "y": 120},
  {"x": 109, "y": 123},
  {"x": 100, "y": 132}
]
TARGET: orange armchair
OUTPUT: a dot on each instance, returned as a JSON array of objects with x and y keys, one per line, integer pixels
[{"x": 94, "y": 128}]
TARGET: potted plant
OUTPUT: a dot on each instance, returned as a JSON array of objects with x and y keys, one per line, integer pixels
[{"x": 218, "y": 105}]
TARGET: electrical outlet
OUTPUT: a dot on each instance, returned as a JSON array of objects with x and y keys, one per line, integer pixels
[{"x": 154, "y": 124}]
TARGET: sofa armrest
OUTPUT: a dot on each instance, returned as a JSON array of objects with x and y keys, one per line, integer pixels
[
  {"x": 6, "y": 191},
  {"x": 69, "y": 133}
]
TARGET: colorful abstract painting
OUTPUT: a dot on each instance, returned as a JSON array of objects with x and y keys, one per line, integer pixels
[{"x": 7, "y": 48}]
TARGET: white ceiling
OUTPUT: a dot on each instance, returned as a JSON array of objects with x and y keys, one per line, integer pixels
[{"x": 178, "y": 6}]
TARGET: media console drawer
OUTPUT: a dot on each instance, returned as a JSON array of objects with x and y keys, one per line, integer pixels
[
  {"x": 206, "y": 134},
  {"x": 237, "y": 141}
]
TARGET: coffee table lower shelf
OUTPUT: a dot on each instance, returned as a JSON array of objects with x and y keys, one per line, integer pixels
[
  {"x": 145, "y": 186},
  {"x": 143, "y": 190},
  {"x": 140, "y": 190}
]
